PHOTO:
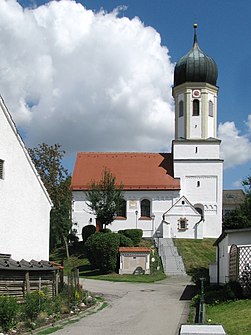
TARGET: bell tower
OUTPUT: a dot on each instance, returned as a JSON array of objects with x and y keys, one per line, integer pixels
[
  {"x": 196, "y": 154},
  {"x": 195, "y": 94}
]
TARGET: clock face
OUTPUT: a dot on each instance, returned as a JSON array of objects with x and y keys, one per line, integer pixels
[{"x": 196, "y": 93}]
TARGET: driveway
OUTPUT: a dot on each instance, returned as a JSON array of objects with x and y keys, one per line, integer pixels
[{"x": 135, "y": 309}]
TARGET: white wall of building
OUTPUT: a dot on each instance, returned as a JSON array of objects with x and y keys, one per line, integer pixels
[
  {"x": 25, "y": 205},
  {"x": 161, "y": 201},
  {"x": 197, "y": 165},
  {"x": 196, "y": 149},
  {"x": 240, "y": 238},
  {"x": 183, "y": 210}
]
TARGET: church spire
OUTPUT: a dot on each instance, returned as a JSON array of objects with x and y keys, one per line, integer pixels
[{"x": 195, "y": 40}]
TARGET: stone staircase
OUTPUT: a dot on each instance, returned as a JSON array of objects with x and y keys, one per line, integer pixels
[{"x": 172, "y": 262}]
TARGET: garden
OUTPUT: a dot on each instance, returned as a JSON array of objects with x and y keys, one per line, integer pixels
[{"x": 40, "y": 309}]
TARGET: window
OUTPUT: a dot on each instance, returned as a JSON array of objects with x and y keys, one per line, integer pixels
[
  {"x": 182, "y": 224},
  {"x": 210, "y": 108},
  {"x": 181, "y": 108},
  {"x": 121, "y": 212},
  {"x": 196, "y": 107},
  {"x": 196, "y": 150},
  {"x": 198, "y": 183},
  {"x": 1, "y": 169},
  {"x": 145, "y": 208}
]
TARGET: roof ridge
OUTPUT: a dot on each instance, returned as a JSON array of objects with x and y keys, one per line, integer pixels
[{"x": 121, "y": 152}]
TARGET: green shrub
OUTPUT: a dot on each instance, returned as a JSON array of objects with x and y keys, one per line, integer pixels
[
  {"x": 105, "y": 230},
  {"x": 216, "y": 293},
  {"x": 34, "y": 303},
  {"x": 102, "y": 251},
  {"x": 9, "y": 310},
  {"x": 134, "y": 234},
  {"x": 125, "y": 241},
  {"x": 236, "y": 289},
  {"x": 88, "y": 231}
]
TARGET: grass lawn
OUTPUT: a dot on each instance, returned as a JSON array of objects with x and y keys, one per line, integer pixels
[
  {"x": 196, "y": 253},
  {"x": 235, "y": 316},
  {"x": 86, "y": 271}
]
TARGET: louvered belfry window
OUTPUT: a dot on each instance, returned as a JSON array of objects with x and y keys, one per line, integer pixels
[
  {"x": 1, "y": 168},
  {"x": 196, "y": 107}
]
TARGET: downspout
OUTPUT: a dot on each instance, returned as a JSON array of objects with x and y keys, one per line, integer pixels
[
  {"x": 197, "y": 223},
  {"x": 218, "y": 264}
]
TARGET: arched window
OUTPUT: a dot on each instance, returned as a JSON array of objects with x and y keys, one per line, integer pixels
[
  {"x": 145, "y": 208},
  {"x": 121, "y": 212},
  {"x": 210, "y": 108},
  {"x": 181, "y": 108},
  {"x": 196, "y": 107}
]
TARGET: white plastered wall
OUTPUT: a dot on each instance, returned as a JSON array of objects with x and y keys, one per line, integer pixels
[
  {"x": 200, "y": 171},
  {"x": 161, "y": 201},
  {"x": 25, "y": 208}
]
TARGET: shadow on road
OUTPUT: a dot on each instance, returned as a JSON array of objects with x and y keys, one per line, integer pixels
[{"x": 189, "y": 292}]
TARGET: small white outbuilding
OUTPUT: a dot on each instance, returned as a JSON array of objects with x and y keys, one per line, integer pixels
[{"x": 134, "y": 260}]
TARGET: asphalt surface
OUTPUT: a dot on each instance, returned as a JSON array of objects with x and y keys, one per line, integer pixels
[{"x": 135, "y": 309}]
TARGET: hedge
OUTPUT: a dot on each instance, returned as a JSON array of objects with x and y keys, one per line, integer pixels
[{"x": 134, "y": 234}]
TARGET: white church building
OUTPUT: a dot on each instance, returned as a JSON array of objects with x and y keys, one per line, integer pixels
[
  {"x": 177, "y": 194},
  {"x": 25, "y": 203}
]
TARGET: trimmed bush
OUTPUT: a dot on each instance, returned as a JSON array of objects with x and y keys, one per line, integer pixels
[
  {"x": 102, "y": 251},
  {"x": 134, "y": 234},
  {"x": 9, "y": 310},
  {"x": 105, "y": 230},
  {"x": 88, "y": 231},
  {"x": 125, "y": 241}
]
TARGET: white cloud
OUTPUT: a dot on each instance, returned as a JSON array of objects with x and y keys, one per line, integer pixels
[
  {"x": 237, "y": 184},
  {"x": 248, "y": 123},
  {"x": 235, "y": 148},
  {"x": 90, "y": 81}
]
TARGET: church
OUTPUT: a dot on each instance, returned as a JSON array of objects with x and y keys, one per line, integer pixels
[{"x": 169, "y": 195}]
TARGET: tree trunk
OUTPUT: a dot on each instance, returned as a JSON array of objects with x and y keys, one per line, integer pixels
[
  {"x": 66, "y": 247},
  {"x": 99, "y": 225}
]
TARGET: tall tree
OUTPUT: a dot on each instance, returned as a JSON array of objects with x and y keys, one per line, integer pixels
[
  {"x": 105, "y": 198},
  {"x": 48, "y": 162}
]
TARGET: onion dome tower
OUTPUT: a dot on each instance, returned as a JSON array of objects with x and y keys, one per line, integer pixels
[
  {"x": 195, "y": 93},
  {"x": 196, "y": 150}
]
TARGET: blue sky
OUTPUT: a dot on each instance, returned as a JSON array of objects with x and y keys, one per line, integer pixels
[{"x": 224, "y": 32}]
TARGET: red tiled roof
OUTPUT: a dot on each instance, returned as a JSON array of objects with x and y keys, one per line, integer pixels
[
  {"x": 145, "y": 171},
  {"x": 134, "y": 249}
]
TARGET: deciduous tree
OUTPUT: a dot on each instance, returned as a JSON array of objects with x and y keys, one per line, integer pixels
[
  {"x": 105, "y": 198},
  {"x": 48, "y": 162},
  {"x": 240, "y": 217}
]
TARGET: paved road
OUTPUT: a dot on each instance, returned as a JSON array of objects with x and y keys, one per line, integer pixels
[{"x": 134, "y": 309}]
